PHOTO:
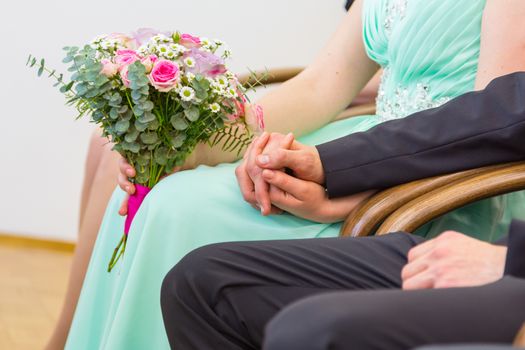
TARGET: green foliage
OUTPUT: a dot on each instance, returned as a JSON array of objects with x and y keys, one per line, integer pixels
[{"x": 155, "y": 131}]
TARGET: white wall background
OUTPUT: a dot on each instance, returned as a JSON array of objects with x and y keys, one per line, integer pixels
[{"x": 42, "y": 148}]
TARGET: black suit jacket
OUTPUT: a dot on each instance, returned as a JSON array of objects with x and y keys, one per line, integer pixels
[{"x": 472, "y": 130}]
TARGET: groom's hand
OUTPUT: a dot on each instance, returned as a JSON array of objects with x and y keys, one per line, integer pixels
[
  {"x": 304, "y": 161},
  {"x": 308, "y": 199},
  {"x": 453, "y": 260}
]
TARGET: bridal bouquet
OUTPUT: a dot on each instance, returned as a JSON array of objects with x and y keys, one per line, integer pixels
[{"x": 156, "y": 95}]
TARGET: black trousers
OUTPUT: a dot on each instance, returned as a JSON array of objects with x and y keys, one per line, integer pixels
[{"x": 338, "y": 293}]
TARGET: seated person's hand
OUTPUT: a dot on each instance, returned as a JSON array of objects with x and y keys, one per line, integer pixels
[
  {"x": 254, "y": 189},
  {"x": 304, "y": 161},
  {"x": 308, "y": 199},
  {"x": 453, "y": 260},
  {"x": 126, "y": 172}
]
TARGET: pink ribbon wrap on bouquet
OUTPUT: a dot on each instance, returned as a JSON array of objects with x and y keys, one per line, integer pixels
[{"x": 134, "y": 202}]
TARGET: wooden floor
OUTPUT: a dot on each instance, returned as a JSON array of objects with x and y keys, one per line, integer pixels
[{"x": 32, "y": 285}]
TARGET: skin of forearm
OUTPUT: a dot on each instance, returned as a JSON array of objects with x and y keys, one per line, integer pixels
[{"x": 317, "y": 95}]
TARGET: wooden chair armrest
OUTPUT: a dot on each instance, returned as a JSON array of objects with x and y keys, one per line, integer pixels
[
  {"x": 519, "y": 341},
  {"x": 489, "y": 182},
  {"x": 268, "y": 77},
  {"x": 369, "y": 214}
]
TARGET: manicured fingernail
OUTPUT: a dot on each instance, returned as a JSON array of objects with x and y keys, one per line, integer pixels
[
  {"x": 127, "y": 188},
  {"x": 263, "y": 159},
  {"x": 262, "y": 211}
]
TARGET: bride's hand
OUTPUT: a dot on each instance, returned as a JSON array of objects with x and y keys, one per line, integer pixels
[
  {"x": 126, "y": 172},
  {"x": 308, "y": 199},
  {"x": 254, "y": 189}
]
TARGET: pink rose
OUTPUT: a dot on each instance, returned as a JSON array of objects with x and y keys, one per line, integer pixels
[
  {"x": 148, "y": 62},
  {"x": 124, "y": 76},
  {"x": 109, "y": 68},
  {"x": 164, "y": 75},
  {"x": 125, "y": 58},
  {"x": 206, "y": 63},
  {"x": 190, "y": 41}
]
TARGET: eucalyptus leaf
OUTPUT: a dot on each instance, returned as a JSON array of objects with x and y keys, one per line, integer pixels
[
  {"x": 153, "y": 125},
  {"x": 148, "y": 106},
  {"x": 131, "y": 135},
  {"x": 144, "y": 159},
  {"x": 161, "y": 155},
  {"x": 178, "y": 140},
  {"x": 122, "y": 126},
  {"x": 131, "y": 146},
  {"x": 178, "y": 122},
  {"x": 140, "y": 126},
  {"x": 136, "y": 95},
  {"x": 147, "y": 117},
  {"x": 192, "y": 113},
  {"x": 113, "y": 113},
  {"x": 149, "y": 138}
]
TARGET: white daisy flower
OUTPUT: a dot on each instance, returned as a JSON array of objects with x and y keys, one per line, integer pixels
[
  {"x": 178, "y": 48},
  {"x": 215, "y": 108},
  {"x": 189, "y": 62},
  {"x": 143, "y": 50},
  {"x": 163, "y": 49},
  {"x": 231, "y": 92},
  {"x": 221, "y": 81},
  {"x": 160, "y": 38},
  {"x": 190, "y": 76},
  {"x": 187, "y": 93}
]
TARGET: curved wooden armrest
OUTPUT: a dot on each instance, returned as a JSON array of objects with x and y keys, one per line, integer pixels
[
  {"x": 519, "y": 341},
  {"x": 491, "y": 181},
  {"x": 268, "y": 77},
  {"x": 368, "y": 215}
]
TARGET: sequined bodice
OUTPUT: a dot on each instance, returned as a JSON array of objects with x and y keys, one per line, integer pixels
[{"x": 428, "y": 49}]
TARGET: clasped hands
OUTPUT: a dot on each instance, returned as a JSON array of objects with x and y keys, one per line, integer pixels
[{"x": 266, "y": 183}]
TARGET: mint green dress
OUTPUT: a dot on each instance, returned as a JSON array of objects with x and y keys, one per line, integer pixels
[{"x": 429, "y": 50}]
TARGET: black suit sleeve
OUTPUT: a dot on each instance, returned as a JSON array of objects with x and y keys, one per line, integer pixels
[
  {"x": 472, "y": 130},
  {"x": 515, "y": 263}
]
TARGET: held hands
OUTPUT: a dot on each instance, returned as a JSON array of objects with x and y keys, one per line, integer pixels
[
  {"x": 277, "y": 152},
  {"x": 265, "y": 185},
  {"x": 453, "y": 260}
]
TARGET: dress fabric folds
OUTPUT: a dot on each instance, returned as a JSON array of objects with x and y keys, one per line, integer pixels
[{"x": 429, "y": 51}]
